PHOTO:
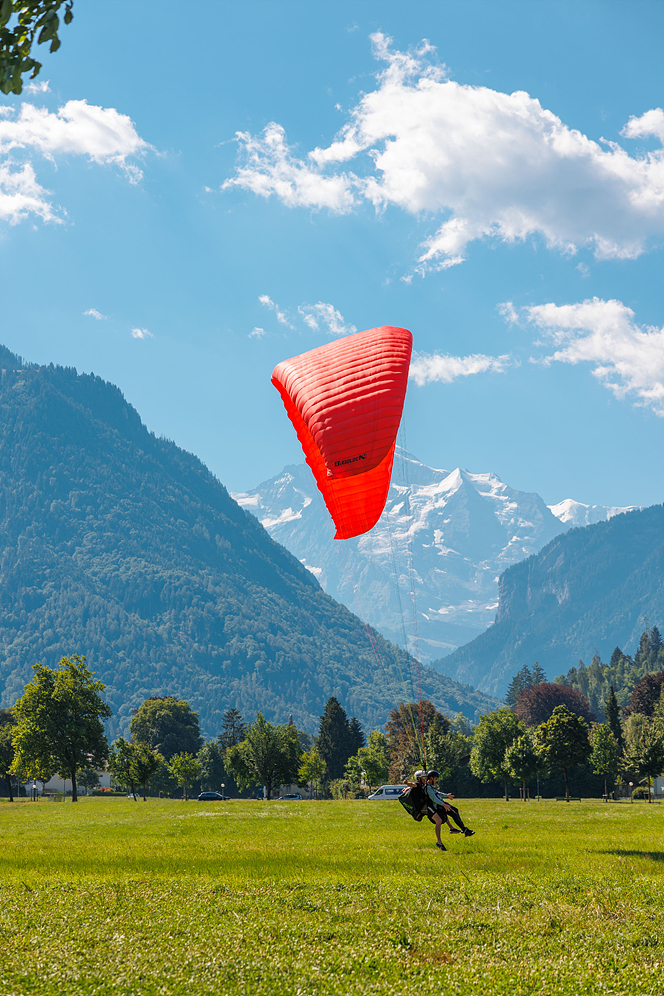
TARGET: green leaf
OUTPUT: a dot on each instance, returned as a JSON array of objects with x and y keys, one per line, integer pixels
[
  {"x": 5, "y": 11},
  {"x": 46, "y": 33}
]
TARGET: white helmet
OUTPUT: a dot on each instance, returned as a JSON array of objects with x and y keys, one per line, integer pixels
[{"x": 420, "y": 774}]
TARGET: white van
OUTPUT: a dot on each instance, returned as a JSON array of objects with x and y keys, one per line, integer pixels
[{"x": 388, "y": 792}]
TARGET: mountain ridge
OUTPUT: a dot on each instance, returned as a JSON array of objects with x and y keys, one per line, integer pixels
[
  {"x": 589, "y": 589},
  {"x": 119, "y": 545},
  {"x": 445, "y": 536}
]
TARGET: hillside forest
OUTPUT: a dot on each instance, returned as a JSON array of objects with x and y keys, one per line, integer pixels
[{"x": 120, "y": 545}]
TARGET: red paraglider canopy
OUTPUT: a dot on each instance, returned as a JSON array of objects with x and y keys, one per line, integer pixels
[{"x": 345, "y": 400}]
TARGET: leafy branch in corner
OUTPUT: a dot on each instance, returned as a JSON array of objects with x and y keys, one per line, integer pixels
[{"x": 37, "y": 20}]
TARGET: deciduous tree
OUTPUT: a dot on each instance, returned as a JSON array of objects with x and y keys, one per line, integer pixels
[
  {"x": 6, "y": 749},
  {"x": 535, "y": 705},
  {"x": 646, "y": 693},
  {"x": 312, "y": 769},
  {"x": 605, "y": 752},
  {"x": 563, "y": 741},
  {"x": 445, "y": 748},
  {"x": 269, "y": 755},
  {"x": 185, "y": 769},
  {"x": 494, "y": 734},
  {"x": 87, "y": 778},
  {"x": 211, "y": 760},
  {"x": 644, "y": 749},
  {"x": 120, "y": 764},
  {"x": 168, "y": 725},
  {"x": 145, "y": 763},
  {"x": 371, "y": 761},
  {"x": 658, "y": 714},
  {"x": 58, "y": 721},
  {"x": 522, "y": 760},
  {"x": 407, "y": 728}
]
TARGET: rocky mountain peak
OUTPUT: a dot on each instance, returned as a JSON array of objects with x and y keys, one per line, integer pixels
[{"x": 427, "y": 575}]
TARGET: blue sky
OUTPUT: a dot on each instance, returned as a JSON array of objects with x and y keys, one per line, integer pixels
[{"x": 245, "y": 180}]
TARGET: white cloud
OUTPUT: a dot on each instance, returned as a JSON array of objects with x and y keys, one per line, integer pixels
[
  {"x": 316, "y": 314},
  {"x": 650, "y": 124},
  {"x": 627, "y": 358},
  {"x": 41, "y": 87},
  {"x": 21, "y": 195},
  {"x": 492, "y": 164},
  {"x": 93, "y": 313},
  {"x": 257, "y": 333},
  {"x": 268, "y": 303},
  {"x": 141, "y": 334},
  {"x": 583, "y": 269},
  {"x": 272, "y": 169},
  {"x": 426, "y": 368},
  {"x": 507, "y": 311},
  {"x": 101, "y": 133}
]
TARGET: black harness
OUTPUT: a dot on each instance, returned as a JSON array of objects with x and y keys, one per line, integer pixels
[{"x": 414, "y": 801}]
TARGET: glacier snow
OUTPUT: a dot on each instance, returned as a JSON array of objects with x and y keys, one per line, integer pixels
[{"x": 427, "y": 575}]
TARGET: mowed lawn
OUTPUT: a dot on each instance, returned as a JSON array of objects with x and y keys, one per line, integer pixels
[{"x": 110, "y": 896}]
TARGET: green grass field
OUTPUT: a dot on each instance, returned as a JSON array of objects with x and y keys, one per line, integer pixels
[{"x": 114, "y": 897}]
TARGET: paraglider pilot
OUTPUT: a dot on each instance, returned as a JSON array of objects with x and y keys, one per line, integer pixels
[
  {"x": 439, "y": 809},
  {"x": 423, "y": 798}
]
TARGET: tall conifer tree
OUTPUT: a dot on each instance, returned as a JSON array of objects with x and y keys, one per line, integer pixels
[
  {"x": 233, "y": 729},
  {"x": 537, "y": 675},
  {"x": 356, "y": 735},
  {"x": 335, "y": 743},
  {"x": 520, "y": 681},
  {"x": 612, "y": 713},
  {"x": 616, "y": 657}
]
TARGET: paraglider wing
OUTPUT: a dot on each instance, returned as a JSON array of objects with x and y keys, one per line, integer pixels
[{"x": 345, "y": 400}]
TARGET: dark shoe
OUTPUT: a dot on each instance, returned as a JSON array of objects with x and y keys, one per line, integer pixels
[
  {"x": 468, "y": 833},
  {"x": 454, "y": 830},
  {"x": 441, "y": 847}
]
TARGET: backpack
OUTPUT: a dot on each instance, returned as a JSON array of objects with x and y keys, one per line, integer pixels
[{"x": 414, "y": 801}]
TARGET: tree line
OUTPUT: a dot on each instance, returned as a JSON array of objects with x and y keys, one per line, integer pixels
[
  {"x": 554, "y": 725},
  {"x": 547, "y": 731},
  {"x": 56, "y": 726}
]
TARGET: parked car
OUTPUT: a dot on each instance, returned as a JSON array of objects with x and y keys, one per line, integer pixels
[
  {"x": 289, "y": 797},
  {"x": 213, "y": 797},
  {"x": 388, "y": 792}
]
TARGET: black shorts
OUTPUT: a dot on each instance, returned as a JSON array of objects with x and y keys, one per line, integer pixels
[{"x": 432, "y": 810}]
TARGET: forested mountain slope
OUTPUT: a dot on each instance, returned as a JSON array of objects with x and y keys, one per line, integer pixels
[
  {"x": 125, "y": 548},
  {"x": 589, "y": 589}
]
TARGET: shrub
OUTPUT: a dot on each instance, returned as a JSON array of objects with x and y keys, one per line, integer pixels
[
  {"x": 343, "y": 788},
  {"x": 641, "y": 792}
]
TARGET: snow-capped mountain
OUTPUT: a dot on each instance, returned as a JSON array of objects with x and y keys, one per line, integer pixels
[
  {"x": 574, "y": 513},
  {"x": 427, "y": 575}
]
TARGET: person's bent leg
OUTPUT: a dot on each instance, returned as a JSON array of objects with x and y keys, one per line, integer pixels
[{"x": 456, "y": 816}]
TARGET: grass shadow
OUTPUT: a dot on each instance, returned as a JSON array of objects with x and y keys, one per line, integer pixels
[{"x": 619, "y": 852}]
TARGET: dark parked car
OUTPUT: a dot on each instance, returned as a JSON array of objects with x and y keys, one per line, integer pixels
[
  {"x": 213, "y": 797},
  {"x": 290, "y": 797}
]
